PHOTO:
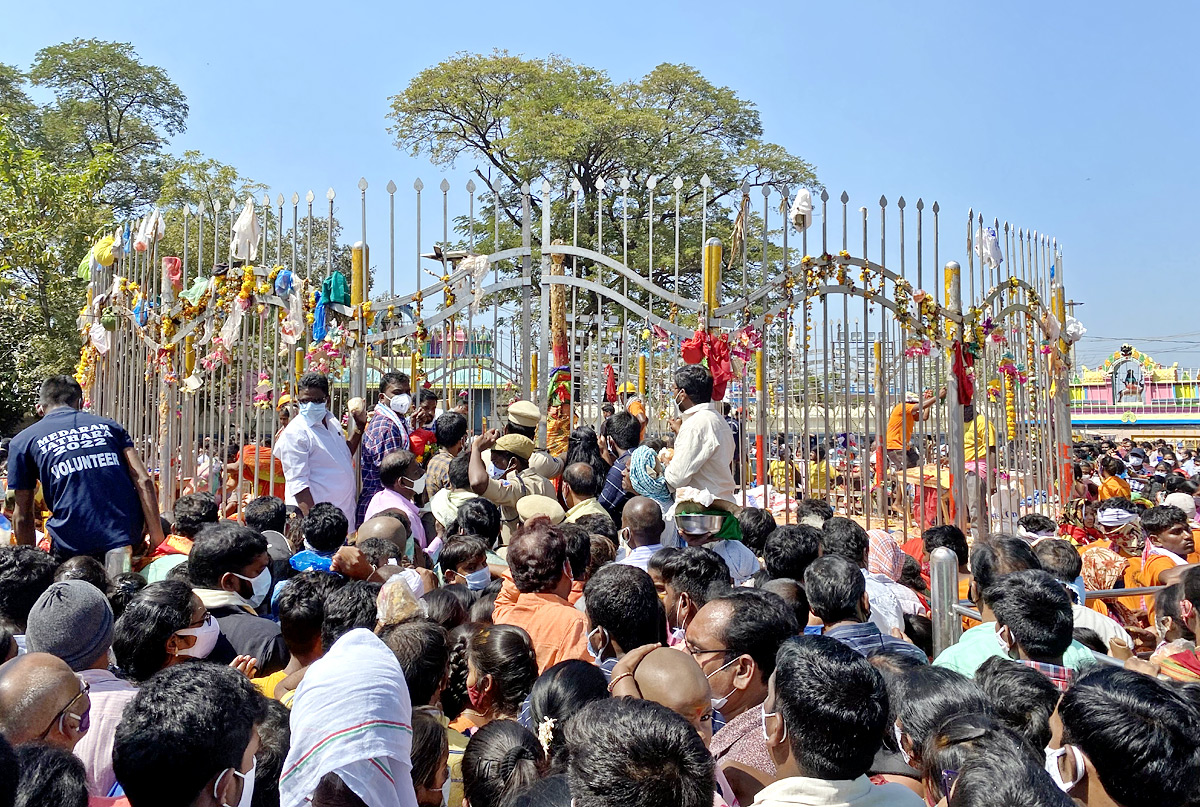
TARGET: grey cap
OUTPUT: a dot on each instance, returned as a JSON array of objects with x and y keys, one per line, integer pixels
[{"x": 72, "y": 620}]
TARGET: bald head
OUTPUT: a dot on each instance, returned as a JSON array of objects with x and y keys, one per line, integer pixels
[
  {"x": 34, "y": 688},
  {"x": 643, "y": 518},
  {"x": 387, "y": 527},
  {"x": 673, "y": 679},
  {"x": 582, "y": 480}
]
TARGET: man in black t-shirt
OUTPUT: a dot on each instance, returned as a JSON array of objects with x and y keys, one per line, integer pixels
[{"x": 93, "y": 481}]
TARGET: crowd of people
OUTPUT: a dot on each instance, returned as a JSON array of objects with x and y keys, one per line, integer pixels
[{"x": 488, "y": 625}]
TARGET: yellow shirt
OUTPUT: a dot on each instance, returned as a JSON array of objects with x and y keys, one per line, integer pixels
[
  {"x": 978, "y": 430},
  {"x": 587, "y": 507},
  {"x": 266, "y": 684},
  {"x": 819, "y": 476}
]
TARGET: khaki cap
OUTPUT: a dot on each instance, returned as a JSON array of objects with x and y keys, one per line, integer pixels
[
  {"x": 517, "y": 444},
  {"x": 532, "y": 506},
  {"x": 524, "y": 413}
]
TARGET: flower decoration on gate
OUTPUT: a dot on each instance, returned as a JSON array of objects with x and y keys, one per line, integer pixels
[
  {"x": 219, "y": 355},
  {"x": 918, "y": 347},
  {"x": 264, "y": 391},
  {"x": 329, "y": 355}
]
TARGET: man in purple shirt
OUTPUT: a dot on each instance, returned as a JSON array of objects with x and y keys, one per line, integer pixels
[{"x": 387, "y": 431}]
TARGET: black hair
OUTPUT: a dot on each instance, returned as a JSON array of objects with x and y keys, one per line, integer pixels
[
  {"x": 1021, "y": 697},
  {"x": 1089, "y": 639},
  {"x": 122, "y": 590},
  {"x": 759, "y": 622},
  {"x": 551, "y": 791},
  {"x": 220, "y": 548},
  {"x": 184, "y": 726},
  {"x": 793, "y": 595},
  {"x": 1166, "y": 604},
  {"x": 1179, "y": 484},
  {"x": 1142, "y": 737},
  {"x": 696, "y": 382},
  {"x": 449, "y": 429},
  {"x": 1160, "y": 519},
  {"x": 599, "y": 524},
  {"x": 501, "y": 761},
  {"x": 1111, "y": 465},
  {"x": 635, "y": 753},
  {"x": 25, "y": 573},
  {"x": 790, "y": 549},
  {"x": 444, "y": 606},
  {"x": 351, "y": 606},
  {"x": 949, "y": 536},
  {"x": 1037, "y": 523},
  {"x": 387, "y": 379},
  {"x": 314, "y": 381},
  {"x": 393, "y": 466},
  {"x": 696, "y": 571},
  {"x": 422, "y": 650},
  {"x": 454, "y": 695},
  {"x": 603, "y": 553},
  {"x": 1118, "y": 503},
  {"x": 458, "y": 472},
  {"x": 326, "y": 527},
  {"x": 1060, "y": 558},
  {"x": 524, "y": 431},
  {"x": 926, "y": 696},
  {"x": 485, "y": 603},
  {"x": 579, "y": 548},
  {"x": 479, "y": 517},
  {"x": 919, "y": 628},
  {"x": 1036, "y": 608},
  {"x": 1000, "y": 555},
  {"x": 179, "y": 572},
  {"x": 265, "y": 513},
  {"x": 833, "y": 704},
  {"x": 275, "y": 740},
  {"x": 818, "y": 508},
  {"x": 193, "y": 511},
  {"x": 151, "y": 617},
  {"x": 461, "y": 549},
  {"x": 658, "y": 561},
  {"x": 378, "y": 551},
  {"x": 757, "y": 524},
  {"x": 584, "y": 447},
  {"x": 625, "y": 430},
  {"x": 426, "y": 394},
  {"x": 847, "y": 538},
  {"x": 59, "y": 390},
  {"x": 559, "y": 693},
  {"x": 506, "y": 653},
  {"x": 85, "y": 568},
  {"x": 622, "y": 600},
  {"x": 583, "y": 480},
  {"x": 992, "y": 766},
  {"x": 429, "y": 748},
  {"x": 49, "y": 775},
  {"x": 910, "y": 575},
  {"x": 302, "y": 609},
  {"x": 9, "y": 770},
  {"x": 835, "y": 588}
]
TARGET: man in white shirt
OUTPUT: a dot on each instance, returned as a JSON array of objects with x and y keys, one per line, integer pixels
[
  {"x": 641, "y": 528},
  {"x": 315, "y": 454},
  {"x": 703, "y": 457}
]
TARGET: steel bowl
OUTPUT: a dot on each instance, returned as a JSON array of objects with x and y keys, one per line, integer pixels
[{"x": 697, "y": 524}]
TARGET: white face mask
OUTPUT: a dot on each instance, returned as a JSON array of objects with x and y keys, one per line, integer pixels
[
  {"x": 400, "y": 404},
  {"x": 764, "y": 714},
  {"x": 900, "y": 743},
  {"x": 1004, "y": 642},
  {"x": 206, "y": 638},
  {"x": 1052, "y": 755},
  {"x": 260, "y": 585},
  {"x": 416, "y": 485},
  {"x": 717, "y": 703},
  {"x": 312, "y": 412},
  {"x": 595, "y": 654},
  {"x": 247, "y": 784}
]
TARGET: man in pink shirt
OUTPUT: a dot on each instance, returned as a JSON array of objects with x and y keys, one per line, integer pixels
[
  {"x": 403, "y": 480},
  {"x": 73, "y": 620}
]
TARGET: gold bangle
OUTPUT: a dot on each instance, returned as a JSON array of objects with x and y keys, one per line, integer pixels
[{"x": 612, "y": 684}]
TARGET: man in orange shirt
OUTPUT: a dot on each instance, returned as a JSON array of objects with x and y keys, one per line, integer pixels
[
  {"x": 1169, "y": 542},
  {"x": 633, "y": 405},
  {"x": 903, "y": 418},
  {"x": 1112, "y": 485},
  {"x": 535, "y": 598}
]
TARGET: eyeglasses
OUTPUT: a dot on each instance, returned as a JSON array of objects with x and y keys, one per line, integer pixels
[
  {"x": 692, "y": 651},
  {"x": 204, "y": 620},
  {"x": 84, "y": 689},
  {"x": 948, "y": 780}
]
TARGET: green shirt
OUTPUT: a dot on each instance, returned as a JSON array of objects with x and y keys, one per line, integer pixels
[{"x": 979, "y": 644}]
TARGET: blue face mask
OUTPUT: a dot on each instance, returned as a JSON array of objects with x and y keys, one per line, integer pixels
[
  {"x": 478, "y": 580},
  {"x": 313, "y": 412},
  {"x": 595, "y": 654}
]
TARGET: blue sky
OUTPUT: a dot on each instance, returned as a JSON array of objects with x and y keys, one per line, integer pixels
[{"x": 1076, "y": 119}]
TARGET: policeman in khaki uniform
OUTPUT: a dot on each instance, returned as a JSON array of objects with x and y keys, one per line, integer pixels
[
  {"x": 523, "y": 418},
  {"x": 510, "y": 453}
]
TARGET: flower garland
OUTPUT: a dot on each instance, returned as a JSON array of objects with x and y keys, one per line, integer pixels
[{"x": 264, "y": 391}]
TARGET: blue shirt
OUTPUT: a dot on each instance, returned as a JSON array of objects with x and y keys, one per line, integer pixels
[
  {"x": 866, "y": 638},
  {"x": 78, "y": 457},
  {"x": 614, "y": 495}
]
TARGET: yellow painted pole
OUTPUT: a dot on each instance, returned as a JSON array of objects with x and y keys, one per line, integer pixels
[
  {"x": 712, "y": 276},
  {"x": 357, "y": 262},
  {"x": 641, "y": 382},
  {"x": 533, "y": 381},
  {"x": 299, "y": 362}
]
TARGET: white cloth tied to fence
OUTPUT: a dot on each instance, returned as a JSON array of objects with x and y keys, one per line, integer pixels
[
  {"x": 244, "y": 245},
  {"x": 149, "y": 231},
  {"x": 477, "y": 267},
  {"x": 1073, "y": 331},
  {"x": 801, "y": 212},
  {"x": 987, "y": 247}
]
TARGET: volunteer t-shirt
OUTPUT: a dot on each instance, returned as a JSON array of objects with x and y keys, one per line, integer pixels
[
  {"x": 77, "y": 456},
  {"x": 900, "y": 425}
]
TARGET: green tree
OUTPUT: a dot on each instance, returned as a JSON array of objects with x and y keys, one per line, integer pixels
[
  {"x": 534, "y": 120},
  {"x": 49, "y": 214},
  {"x": 106, "y": 97}
]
